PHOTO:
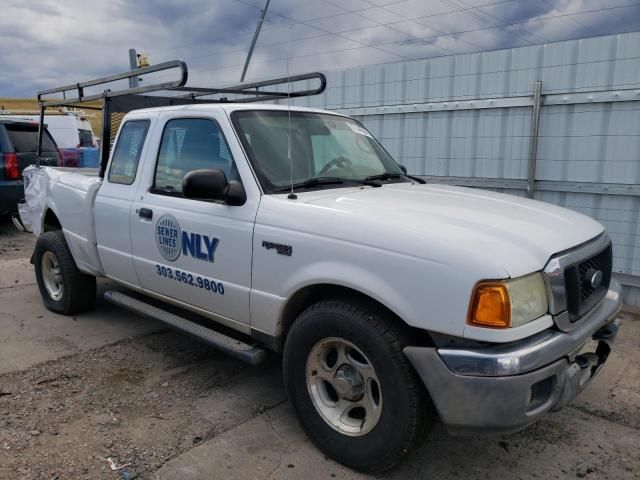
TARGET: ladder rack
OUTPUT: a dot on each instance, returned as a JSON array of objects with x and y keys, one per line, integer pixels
[{"x": 117, "y": 102}]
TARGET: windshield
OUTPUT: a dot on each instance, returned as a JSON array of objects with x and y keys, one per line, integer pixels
[{"x": 321, "y": 146}]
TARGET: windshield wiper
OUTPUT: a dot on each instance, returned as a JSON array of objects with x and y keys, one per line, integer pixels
[
  {"x": 312, "y": 182},
  {"x": 390, "y": 175}
]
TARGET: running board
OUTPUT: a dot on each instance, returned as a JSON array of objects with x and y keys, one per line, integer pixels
[{"x": 240, "y": 350}]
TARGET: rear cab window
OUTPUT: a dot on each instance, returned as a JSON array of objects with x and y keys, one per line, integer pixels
[
  {"x": 190, "y": 144},
  {"x": 85, "y": 137},
  {"x": 126, "y": 156},
  {"x": 24, "y": 138}
]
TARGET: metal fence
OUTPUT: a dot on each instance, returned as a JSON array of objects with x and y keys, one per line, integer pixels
[{"x": 559, "y": 122}]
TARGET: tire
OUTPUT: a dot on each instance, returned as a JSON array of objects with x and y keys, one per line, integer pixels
[
  {"x": 77, "y": 291},
  {"x": 399, "y": 412}
]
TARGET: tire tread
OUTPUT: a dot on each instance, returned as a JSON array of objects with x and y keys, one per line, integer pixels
[
  {"x": 80, "y": 288},
  {"x": 378, "y": 320}
]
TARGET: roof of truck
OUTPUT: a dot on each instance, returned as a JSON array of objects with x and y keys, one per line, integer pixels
[{"x": 229, "y": 107}]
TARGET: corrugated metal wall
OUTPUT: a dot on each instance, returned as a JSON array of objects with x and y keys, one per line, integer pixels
[{"x": 466, "y": 119}]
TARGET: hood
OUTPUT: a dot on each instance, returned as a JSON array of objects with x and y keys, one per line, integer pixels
[{"x": 454, "y": 225}]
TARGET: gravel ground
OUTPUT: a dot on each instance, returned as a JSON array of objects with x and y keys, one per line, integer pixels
[{"x": 136, "y": 401}]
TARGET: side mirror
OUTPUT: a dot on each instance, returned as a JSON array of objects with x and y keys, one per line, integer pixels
[
  {"x": 235, "y": 195},
  {"x": 212, "y": 184},
  {"x": 403, "y": 168}
]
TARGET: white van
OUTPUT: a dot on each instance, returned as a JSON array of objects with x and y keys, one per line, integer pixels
[
  {"x": 69, "y": 129},
  {"x": 72, "y": 133}
]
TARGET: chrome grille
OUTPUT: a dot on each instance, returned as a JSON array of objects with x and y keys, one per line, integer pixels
[
  {"x": 568, "y": 277},
  {"x": 601, "y": 262},
  {"x": 582, "y": 296}
]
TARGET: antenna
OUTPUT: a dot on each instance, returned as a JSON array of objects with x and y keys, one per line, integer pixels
[{"x": 291, "y": 196}]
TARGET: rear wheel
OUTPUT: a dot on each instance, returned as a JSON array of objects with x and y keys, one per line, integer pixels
[
  {"x": 351, "y": 386},
  {"x": 64, "y": 288}
]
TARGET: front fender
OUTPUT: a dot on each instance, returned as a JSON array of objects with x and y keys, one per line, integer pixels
[
  {"x": 354, "y": 277},
  {"x": 424, "y": 294}
]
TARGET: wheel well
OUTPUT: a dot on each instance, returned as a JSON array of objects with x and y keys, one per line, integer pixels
[
  {"x": 50, "y": 222},
  {"x": 309, "y": 295}
]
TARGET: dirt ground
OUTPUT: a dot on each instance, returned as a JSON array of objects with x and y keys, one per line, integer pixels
[
  {"x": 137, "y": 401},
  {"x": 14, "y": 244},
  {"x": 76, "y": 391}
]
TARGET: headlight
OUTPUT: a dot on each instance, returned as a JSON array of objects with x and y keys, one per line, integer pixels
[{"x": 508, "y": 303}]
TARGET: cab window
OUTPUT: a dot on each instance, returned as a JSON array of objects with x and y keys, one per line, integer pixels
[
  {"x": 85, "y": 137},
  {"x": 191, "y": 144},
  {"x": 126, "y": 155}
]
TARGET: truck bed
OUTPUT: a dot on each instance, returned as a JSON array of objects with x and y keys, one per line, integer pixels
[{"x": 69, "y": 194}]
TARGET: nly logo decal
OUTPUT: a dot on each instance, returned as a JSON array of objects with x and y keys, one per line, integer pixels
[
  {"x": 171, "y": 240},
  {"x": 168, "y": 237}
]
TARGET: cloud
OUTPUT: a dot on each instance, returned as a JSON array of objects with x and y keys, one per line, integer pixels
[{"x": 45, "y": 43}]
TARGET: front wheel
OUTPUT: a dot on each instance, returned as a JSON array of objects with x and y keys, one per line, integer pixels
[
  {"x": 64, "y": 288},
  {"x": 353, "y": 390}
]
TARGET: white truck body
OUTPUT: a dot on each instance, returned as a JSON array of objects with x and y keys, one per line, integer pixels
[
  {"x": 419, "y": 250},
  {"x": 414, "y": 248}
]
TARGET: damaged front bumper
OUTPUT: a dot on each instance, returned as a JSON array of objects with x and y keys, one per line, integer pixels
[{"x": 503, "y": 388}]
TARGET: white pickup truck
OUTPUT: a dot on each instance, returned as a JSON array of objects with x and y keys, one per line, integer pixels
[{"x": 393, "y": 302}]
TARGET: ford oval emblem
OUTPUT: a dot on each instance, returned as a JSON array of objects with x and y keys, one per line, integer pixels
[{"x": 596, "y": 279}]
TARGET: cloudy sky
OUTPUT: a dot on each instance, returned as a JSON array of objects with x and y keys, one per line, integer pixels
[{"x": 46, "y": 43}]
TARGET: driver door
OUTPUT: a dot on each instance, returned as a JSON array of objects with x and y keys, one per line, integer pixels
[{"x": 193, "y": 252}]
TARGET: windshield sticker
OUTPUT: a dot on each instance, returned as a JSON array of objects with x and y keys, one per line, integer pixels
[
  {"x": 171, "y": 240},
  {"x": 358, "y": 129}
]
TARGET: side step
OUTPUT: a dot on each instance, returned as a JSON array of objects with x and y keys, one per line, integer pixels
[{"x": 240, "y": 350}]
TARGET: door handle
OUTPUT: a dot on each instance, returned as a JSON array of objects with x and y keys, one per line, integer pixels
[{"x": 145, "y": 213}]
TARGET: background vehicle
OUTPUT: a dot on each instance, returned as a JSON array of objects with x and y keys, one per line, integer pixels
[
  {"x": 72, "y": 133},
  {"x": 18, "y": 149},
  {"x": 392, "y": 301}
]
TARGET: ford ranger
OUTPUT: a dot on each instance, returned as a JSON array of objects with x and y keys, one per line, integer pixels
[{"x": 393, "y": 302}]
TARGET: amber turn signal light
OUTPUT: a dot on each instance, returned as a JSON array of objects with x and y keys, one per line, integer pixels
[{"x": 490, "y": 306}]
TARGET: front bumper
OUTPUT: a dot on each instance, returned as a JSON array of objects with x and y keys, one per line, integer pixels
[{"x": 503, "y": 388}]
